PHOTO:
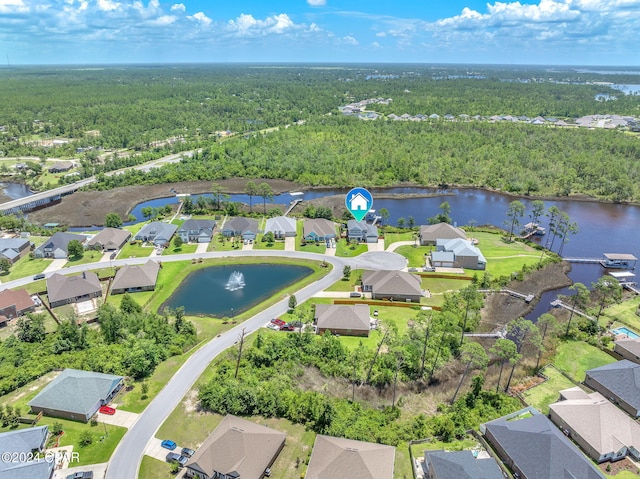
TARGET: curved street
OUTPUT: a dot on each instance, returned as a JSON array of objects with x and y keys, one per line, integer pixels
[{"x": 126, "y": 459}]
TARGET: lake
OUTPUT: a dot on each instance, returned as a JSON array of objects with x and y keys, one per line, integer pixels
[{"x": 207, "y": 292}]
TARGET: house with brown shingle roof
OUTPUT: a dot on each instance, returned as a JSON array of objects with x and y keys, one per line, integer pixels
[
  {"x": 319, "y": 229},
  {"x": 109, "y": 239},
  {"x": 72, "y": 289},
  {"x": 338, "y": 458},
  {"x": 15, "y": 303},
  {"x": 343, "y": 319},
  {"x": 429, "y": 234},
  {"x": 236, "y": 449},
  {"x": 392, "y": 285},
  {"x": 133, "y": 278},
  {"x": 602, "y": 430}
]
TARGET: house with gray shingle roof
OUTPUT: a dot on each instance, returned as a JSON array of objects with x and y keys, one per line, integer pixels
[
  {"x": 56, "y": 247},
  {"x": 240, "y": 226},
  {"x": 109, "y": 239},
  {"x": 343, "y": 319},
  {"x": 619, "y": 382},
  {"x": 237, "y": 448},
  {"x": 429, "y": 234},
  {"x": 319, "y": 229},
  {"x": 392, "y": 285},
  {"x": 77, "y": 395},
  {"x": 14, "y": 248},
  {"x": 628, "y": 349},
  {"x": 533, "y": 447},
  {"x": 157, "y": 232},
  {"x": 21, "y": 443},
  {"x": 133, "y": 278},
  {"x": 602, "y": 430},
  {"x": 197, "y": 231},
  {"x": 281, "y": 226},
  {"x": 465, "y": 254},
  {"x": 338, "y": 458},
  {"x": 72, "y": 289},
  {"x": 460, "y": 465},
  {"x": 362, "y": 231}
]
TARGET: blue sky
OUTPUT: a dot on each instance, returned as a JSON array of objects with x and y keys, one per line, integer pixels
[{"x": 575, "y": 32}]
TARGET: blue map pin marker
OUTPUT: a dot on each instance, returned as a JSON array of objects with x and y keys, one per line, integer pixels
[{"x": 358, "y": 201}]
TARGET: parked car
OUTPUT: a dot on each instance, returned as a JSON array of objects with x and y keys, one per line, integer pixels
[
  {"x": 273, "y": 326},
  {"x": 81, "y": 475},
  {"x": 172, "y": 456},
  {"x": 278, "y": 321},
  {"x": 168, "y": 444},
  {"x": 113, "y": 255},
  {"x": 187, "y": 452},
  {"x": 38, "y": 276},
  {"x": 287, "y": 327},
  {"x": 107, "y": 410},
  {"x": 355, "y": 295}
]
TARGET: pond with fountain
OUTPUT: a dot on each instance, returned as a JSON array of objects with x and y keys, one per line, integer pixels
[{"x": 226, "y": 291}]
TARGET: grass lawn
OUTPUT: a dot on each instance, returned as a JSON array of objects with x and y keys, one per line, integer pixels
[
  {"x": 548, "y": 392},
  {"x": 443, "y": 285},
  {"x": 134, "y": 228},
  {"x": 321, "y": 247},
  {"x": 576, "y": 357},
  {"x": 87, "y": 257},
  {"x": 390, "y": 238},
  {"x": 221, "y": 243},
  {"x": 346, "y": 286},
  {"x": 345, "y": 250},
  {"x": 259, "y": 244},
  {"x": 184, "y": 249},
  {"x": 152, "y": 468},
  {"x": 457, "y": 445},
  {"x": 504, "y": 258},
  {"x": 135, "y": 251},
  {"x": 415, "y": 254},
  {"x": 624, "y": 313},
  {"x": 25, "y": 267}
]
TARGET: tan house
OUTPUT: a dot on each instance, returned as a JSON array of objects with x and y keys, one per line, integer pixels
[
  {"x": 318, "y": 229},
  {"x": 432, "y": 233},
  {"x": 343, "y": 319},
  {"x": 602, "y": 430},
  {"x": 72, "y": 289},
  {"x": 628, "y": 349},
  {"x": 109, "y": 239},
  {"x": 392, "y": 285},
  {"x": 15, "y": 303},
  {"x": 338, "y": 458},
  {"x": 237, "y": 448},
  {"x": 135, "y": 278}
]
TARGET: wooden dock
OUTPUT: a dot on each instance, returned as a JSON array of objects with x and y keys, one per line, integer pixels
[
  {"x": 559, "y": 304},
  {"x": 501, "y": 334},
  {"x": 631, "y": 287},
  {"x": 526, "y": 297},
  {"x": 583, "y": 260},
  {"x": 293, "y": 204}
]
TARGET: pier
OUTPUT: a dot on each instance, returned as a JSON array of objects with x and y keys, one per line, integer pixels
[
  {"x": 293, "y": 204},
  {"x": 500, "y": 334},
  {"x": 583, "y": 260},
  {"x": 559, "y": 304},
  {"x": 526, "y": 297}
]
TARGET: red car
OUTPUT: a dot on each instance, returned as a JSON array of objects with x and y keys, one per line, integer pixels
[
  {"x": 278, "y": 322},
  {"x": 107, "y": 410}
]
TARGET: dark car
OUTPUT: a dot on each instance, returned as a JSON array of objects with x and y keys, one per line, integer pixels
[
  {"x": 113, "y": 255},
  {"x": 287, "y": 327},
  {"x": 173, "y": 457},
  {"x": 38, "y": 276},
  {"x": 355, "y": 295},
  {"x": 168, "y": 444},
  {"x": 187, "y": 452},
  {"x": 81, "y": 475}
]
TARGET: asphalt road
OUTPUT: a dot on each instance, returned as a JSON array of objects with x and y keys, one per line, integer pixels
[{"x": 125, "y": 461}]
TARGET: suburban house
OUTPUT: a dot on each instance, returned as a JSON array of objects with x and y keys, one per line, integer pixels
[
  {"x": 532, "y": 447},
  {"x": 429, "y": 234},
  {"x": 392, "y": 285},
  {"x": 156, "y": 232},
  {"x": 619, "y": 382},
  {"x": 239, "y": 226},
  {"x": 13, "y": 249},
  {"x": 60, "y": 167},
  {"x": 72, "y": 289},
  {"x": 343, "y": 319},
  {"x": 628, "y": 349},
  {"x": 56, "y": 246},
  {"x": 109, "y": 239},
  {"x": 236, "y": 449},
  {"x": 133, "y": 278},
  {"x": 22, "y": 443},
  {"x": 460, "y": 465},
  {"x": 318, "y": 229},
  {"x": 362, "y": 232},
  {"x": 197, "y": 231},
  {"x": 457, "y": 253},
  {"x": 281, "y": 227},
  {"x": 602, "y": 430},
  {"x": 76, "y": 395},
  {"x": 15, "y": 303},
  {"x": 338, "y": 458}
]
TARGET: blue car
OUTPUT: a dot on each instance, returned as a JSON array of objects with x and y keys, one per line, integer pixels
[{"x": 167, "y": 444}]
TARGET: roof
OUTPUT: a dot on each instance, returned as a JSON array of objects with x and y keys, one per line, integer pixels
[
  {"x": 241, "y": 224},
  {"x": 596, "y": 420},
  {"x": 621, "y": 256},
  {"x": 622, "y": 379},
  {"x": 280, "y": 224},
  {"x": 60, "y": 240},
  {"x": 461, "y": 247},
  {"x": 25, "y": 441},
  {"x": 76, "y": 391},
  {"x": 368, "y": 228},
  {"x": 60, "y": 287},
  {"x": 319, "y": 226},
  {"x": 338, "y": 458},
  {"x": 338, "y": 316},
  {"x": 441, "y": 231},
  {"x": 19, "y": 298},
  {"x": 631, "y": 345},
  {"x": 462, "y": 465},
  {"x": 240, "y": 446},
  {"x": 13, "y": 243},
  {"x": 443, "y": 256},
  {"x": 198, "y": 225},
  {"x": 539, "y": 449},
  {"x": 157, "y": 229},
  {"x": 110, "y": 235},
  {"x": 392, "y": 282},
  {"x": 136, "y": 276}
]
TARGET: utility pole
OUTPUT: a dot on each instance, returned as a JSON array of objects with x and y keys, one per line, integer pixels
[{"x": 239, "y": 353}]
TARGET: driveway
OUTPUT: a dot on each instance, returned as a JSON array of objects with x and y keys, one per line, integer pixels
[
  {"x": 379, "y": 246},
  {"x": 56, "y": 265},
  {"x": 247, "y": 247},
  {"x": 155, "y": 450},
  {"x": 290, "y": 243},
  {"x": 202, "y": 247},
  {"x": 120, "y": 418},
  {"x": 99, "y": 471}
]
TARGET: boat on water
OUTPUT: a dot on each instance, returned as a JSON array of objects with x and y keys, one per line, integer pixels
[{"x": 618, "y": 261}]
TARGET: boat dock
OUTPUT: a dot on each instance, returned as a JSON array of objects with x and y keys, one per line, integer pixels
[
  {"x": 559, "y": 304},
  {"x": 583, "y": 260},
  {"x": 526, "y": 297}
]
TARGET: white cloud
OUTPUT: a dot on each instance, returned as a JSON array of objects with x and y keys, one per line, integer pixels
[
  {"x": 247, "y": 26},
  {"x": 376, "y": 45},
  {"x": 12, "y": 7},
  {"x": 178, "y": 7},
  {"x": 317, "y": 3},
  {"x": 200, "y": 18},
  {"x": 107, "y": 5},
  {"x": 349, "y": 40}
]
